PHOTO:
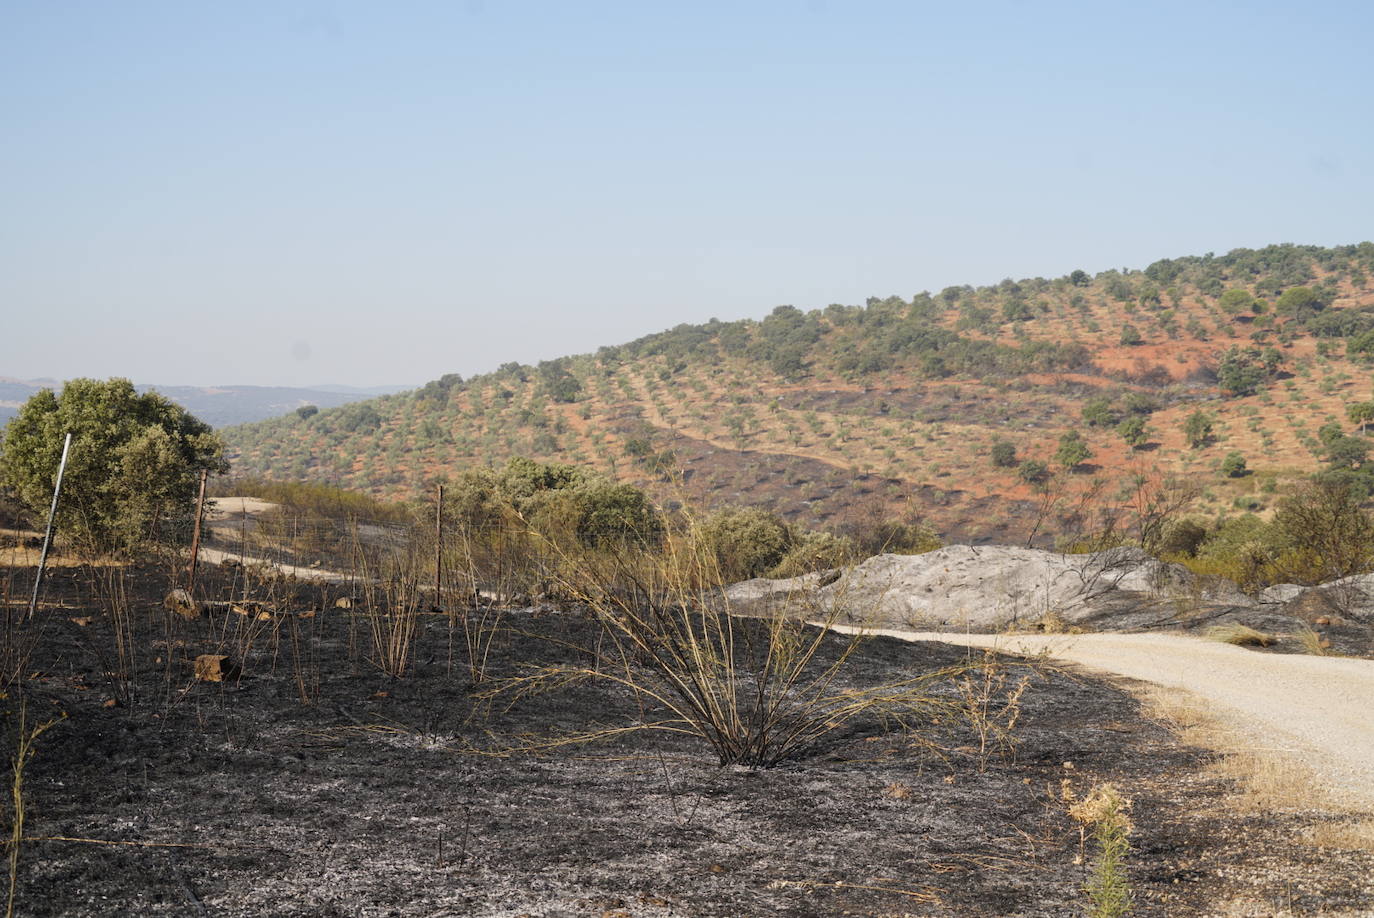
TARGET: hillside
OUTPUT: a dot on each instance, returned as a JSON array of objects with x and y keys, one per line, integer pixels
[{"x": 894, "y": 407}]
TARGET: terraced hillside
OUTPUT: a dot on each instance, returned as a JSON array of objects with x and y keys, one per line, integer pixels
[{"x": 895, "y": 406}]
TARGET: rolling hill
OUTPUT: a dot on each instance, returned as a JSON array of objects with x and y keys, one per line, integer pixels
[{"x": 894, "y": 407}]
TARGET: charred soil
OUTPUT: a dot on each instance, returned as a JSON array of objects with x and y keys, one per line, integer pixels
[{"x": 313, "y": 784}]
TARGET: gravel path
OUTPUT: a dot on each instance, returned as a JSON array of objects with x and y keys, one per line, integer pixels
[
  {"x": 216, "y": 556},
  {"x": 1320, "y": 710}
]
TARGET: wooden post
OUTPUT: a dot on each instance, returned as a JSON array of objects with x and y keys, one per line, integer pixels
[
  {"x": 195, "y": 538},
  {"x": 438, "y": 547},
  {"x": 52, "y": 515}
]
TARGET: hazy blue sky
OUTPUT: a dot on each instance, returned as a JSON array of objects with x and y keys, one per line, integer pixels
[{"x": 292, "y": 193}]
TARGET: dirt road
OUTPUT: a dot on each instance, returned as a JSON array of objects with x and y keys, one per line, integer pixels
[{"x": 1317, "y": 710}]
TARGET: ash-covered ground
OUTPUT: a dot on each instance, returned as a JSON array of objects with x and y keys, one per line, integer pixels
[{"x": 313, "y": 784}]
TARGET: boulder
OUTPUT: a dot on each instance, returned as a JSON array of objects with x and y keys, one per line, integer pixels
[
  {"x": 993, "y": 588},
  {"x": 762, "y": 596},
  {"x": 1280, "y": 593},
  {"x": 1350, "y": 598}
]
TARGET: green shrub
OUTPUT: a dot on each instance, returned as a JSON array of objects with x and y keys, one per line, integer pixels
[
  {"x": 1033, "y": 471},
  {"x": 1233, "y": 466},
  {"x": 814, "y": 551},
  {"x": 1003, "y": 454},
  {"x": 745, "y": 543}
]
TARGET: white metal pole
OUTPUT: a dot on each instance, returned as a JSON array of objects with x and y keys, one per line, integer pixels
[{"x": 52, "y": 515}]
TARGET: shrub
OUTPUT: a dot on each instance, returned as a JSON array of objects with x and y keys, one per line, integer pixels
[
  {"x": 1033, "y": 471},
  {"x": 1003, "y": 454},
  {"x": 891, "y": 537},
  {"x": 1098, "y": 412},
  {"x": 1241, "y": 371},
  {"x": 1235, "y": 301},
  {"x": 1182, "y": 539},
  {"x": 1197, "y": 429},
  {"x": 1072, "y": 451},
  {"x": 1104, "y": 810},
  {"x": 814, "y": 551},
  {"x": 745, "y": 543},
  {"x": 1233, "y": 466},
  {"x": 1240, "y": 635},
  {"x": 757, "y": 690},
  {"x": 1326, "y": 533},
  {"x": 1134, "y": 431}
]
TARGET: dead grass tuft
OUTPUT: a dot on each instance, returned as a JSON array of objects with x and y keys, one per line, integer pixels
[
  {"x": 1312, "y": 642},
  {"x": 1240, "y": 635}
]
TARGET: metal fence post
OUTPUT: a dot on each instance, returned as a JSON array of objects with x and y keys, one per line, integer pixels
[{"x": 52, "y": 515}]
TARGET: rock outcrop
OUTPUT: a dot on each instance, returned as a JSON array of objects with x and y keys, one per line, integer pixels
[
  {"x": 993, "y": 588},
  {"x": 1350, "y": 599}
]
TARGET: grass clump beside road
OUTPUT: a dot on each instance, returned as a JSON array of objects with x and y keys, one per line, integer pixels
[{"x": 1240, "y": 635}]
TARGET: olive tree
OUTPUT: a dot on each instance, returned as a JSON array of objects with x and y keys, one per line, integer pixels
[
  {"x": 133, "y": 469},
  {"x": 1072, "y": 451},
  {"x": 1134, "y": 431},
  {"x": 1197, "y": 429},
  {"x": 1361, "y": 413}
]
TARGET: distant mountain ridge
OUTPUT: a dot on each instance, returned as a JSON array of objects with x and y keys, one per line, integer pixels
[{"x": 218, "y": 406}]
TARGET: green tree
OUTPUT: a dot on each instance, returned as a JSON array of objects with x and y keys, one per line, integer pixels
[
  {"x": 1233, "y": 466},
  {"x": 1347, "y": 453},
  {"x": 306, "y": 412},
  {"x": 1134, "y": 431},
  {"x": 1072, "y": 451},
  {"x": 1197, "y": 429},
  {"x": 134, "y": 466},
  {"x": 1362, "y": 343},
  {"x": 1098, "y": 412},
  {"x": 1235, "y": 301},
  {"x": 1033, "y": 471},
  {"x": 1003, "y": 454},
  {"x": 1301, "y": 302},
  {"x": 1361, "y": 413},
  {"x": 1329, "y": 433},
  {"x": 1240, "y": 371},
  {"x": 1130, "y": 335}
]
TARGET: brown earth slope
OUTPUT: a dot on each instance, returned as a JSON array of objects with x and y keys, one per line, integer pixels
[{"x": 893, "y": 408}]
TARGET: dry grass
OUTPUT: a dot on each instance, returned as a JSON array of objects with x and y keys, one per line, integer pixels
[
  {"x": 990, "y": 701},
  {"x": 756, "y": 690},
  {"x": 1313, "y": 643},
  {"x": 23, "y": 753},
  {"x": 1240, "y": 635},
  {"x": 1267, "y": 779}
]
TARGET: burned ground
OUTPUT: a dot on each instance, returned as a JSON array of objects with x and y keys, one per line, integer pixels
[{"x": 315, "y": 785}]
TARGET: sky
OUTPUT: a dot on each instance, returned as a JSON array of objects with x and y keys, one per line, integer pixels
[{"x": 294, "y": 193}]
